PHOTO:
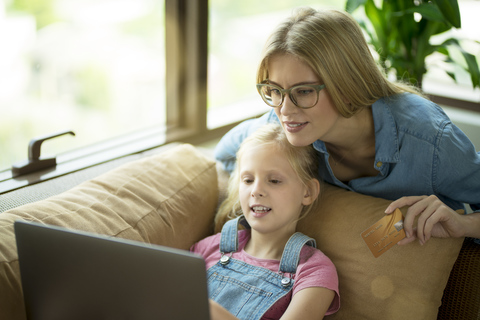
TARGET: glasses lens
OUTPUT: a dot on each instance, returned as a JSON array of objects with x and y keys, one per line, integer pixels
[
  {"x": 271, "y": 95},
  {"x": 304, "y": 96}
]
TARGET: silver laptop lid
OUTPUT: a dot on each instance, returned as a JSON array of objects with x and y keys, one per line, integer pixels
[{"x": 77, "y": 275}]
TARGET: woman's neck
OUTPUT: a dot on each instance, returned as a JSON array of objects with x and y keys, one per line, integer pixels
[
  {"x": 355, "y": 137},
  {"x": 352, "y": 151}
]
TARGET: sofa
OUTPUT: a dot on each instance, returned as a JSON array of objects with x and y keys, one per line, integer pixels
[{"x": 170, "y": 197}]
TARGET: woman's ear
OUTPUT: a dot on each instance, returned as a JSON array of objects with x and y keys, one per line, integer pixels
[{"x": 311, "y": 192}]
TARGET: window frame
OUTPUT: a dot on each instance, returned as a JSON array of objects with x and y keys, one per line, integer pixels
[{"x": 186, "y": 42}]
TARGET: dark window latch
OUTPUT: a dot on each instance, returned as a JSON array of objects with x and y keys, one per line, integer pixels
[{"x": 34, "y": 162}]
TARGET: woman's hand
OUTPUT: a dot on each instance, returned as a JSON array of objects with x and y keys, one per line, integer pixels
[{"x": 435, "y": 219}]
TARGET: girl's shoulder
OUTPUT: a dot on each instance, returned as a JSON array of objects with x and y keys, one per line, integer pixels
[{"x": 313, "y": 258}]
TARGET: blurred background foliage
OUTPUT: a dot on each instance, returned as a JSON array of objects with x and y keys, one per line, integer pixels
[{"x": 402, "y": 33}]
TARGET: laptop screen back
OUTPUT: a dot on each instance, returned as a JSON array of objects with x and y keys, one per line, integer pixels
[{"x": 76, "y": 275}]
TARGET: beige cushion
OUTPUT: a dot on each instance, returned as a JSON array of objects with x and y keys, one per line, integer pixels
[
  {"x": 168, "y": 199},
  {"x": 406, "y": 282}
]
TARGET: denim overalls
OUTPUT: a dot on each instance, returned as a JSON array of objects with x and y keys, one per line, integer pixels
[{"x": 249, "y": 291}]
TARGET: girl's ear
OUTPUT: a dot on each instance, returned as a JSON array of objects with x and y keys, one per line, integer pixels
[{"x": 311, "y": 192}]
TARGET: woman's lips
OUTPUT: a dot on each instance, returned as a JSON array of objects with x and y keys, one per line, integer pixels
[{"x": 294, "y": 127}]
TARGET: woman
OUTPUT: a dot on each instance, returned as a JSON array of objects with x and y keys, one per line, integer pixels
[{"x": 374, "y": 136}]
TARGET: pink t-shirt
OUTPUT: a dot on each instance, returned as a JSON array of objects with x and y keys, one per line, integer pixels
[{"x": 315, "y": 269}]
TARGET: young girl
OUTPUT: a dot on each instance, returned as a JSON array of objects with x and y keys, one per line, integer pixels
[{"x": 267, "y": 270}]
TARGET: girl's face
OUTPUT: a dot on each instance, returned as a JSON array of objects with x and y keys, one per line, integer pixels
[
  {"x": 271, "y": 194},
  {"x": 302, "y": 126}
]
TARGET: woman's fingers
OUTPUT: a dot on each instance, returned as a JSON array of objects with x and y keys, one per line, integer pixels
[{"x": 426, "y": 217}]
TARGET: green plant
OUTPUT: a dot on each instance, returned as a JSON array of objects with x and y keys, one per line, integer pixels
[
  {"x": 401, "y": 33},
  {"x": 42, "y": 10}
]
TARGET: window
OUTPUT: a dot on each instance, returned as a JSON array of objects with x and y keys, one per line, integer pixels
[{"x": 96, "y": 67}]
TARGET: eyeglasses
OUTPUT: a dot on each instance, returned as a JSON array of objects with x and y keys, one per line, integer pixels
[{"x": 303, "y": 96}]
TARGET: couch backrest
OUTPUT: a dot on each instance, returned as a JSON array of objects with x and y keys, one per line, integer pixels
[{"x": 168, "y": 199}]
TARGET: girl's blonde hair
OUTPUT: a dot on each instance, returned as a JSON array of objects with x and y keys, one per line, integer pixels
[
  {"x": 304, "y": 161},
  {"x": 332, "y": 44}
]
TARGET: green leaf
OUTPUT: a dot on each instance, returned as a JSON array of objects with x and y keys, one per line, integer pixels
[
  {"x": 352, "y": 5},
  {"x": 470, "y": 63},
  {"x": 405, "y": 34},
  {"x": 442, "y": 50},
  {"x": 472, "y": 69},
  {"x": 450, "y": 11},
  {"x": 452, "y": 75},
  {"x": 428, "y": 11},
  {"x": 377, "y": 19}
]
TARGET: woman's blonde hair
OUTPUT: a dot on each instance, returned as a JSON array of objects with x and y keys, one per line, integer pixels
[
  {"x": 304, "y": 161},
  {"x": 332, "y": 44}
]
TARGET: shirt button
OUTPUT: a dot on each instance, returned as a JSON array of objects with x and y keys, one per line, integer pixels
[{"x": 379, "y": 164}]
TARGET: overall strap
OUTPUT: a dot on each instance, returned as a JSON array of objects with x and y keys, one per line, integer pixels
[
  {"x": 229, "y": 237},
  {"x": 291, "y": 253}
]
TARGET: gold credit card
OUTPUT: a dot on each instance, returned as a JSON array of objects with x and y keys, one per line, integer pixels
[{"x": 384, "y": 233}]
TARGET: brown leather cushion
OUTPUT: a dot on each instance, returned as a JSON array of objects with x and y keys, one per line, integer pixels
[
  {"x": 168, "y": 199},
  {"x": 406, "y": 282}
]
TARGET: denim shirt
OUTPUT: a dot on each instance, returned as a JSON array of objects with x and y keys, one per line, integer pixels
[{"x": 418, "y": 151}]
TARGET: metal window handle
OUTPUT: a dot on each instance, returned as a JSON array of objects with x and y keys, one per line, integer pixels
[{"x": 34, "y": 163}]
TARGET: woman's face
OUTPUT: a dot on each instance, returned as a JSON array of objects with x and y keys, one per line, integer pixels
[{"x": 302, "y": 126}]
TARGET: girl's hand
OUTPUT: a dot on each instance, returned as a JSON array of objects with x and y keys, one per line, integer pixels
[
  {"x": 217, "y": 312},
  {"x": 435, "y": 219},
  {"x": 309, "y": 303}
]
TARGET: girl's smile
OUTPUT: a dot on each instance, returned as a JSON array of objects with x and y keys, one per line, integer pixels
[{"x": 259, "y": 211}]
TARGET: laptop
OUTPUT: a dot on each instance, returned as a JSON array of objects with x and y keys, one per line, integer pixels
[{"x": 78, "y": 275}]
